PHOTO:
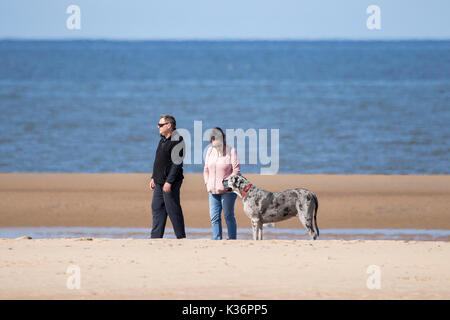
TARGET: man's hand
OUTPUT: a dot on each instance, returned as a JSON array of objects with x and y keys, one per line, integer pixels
[
  {"x": 152, "y": 184},
  {"x": 166, "y": 187}
]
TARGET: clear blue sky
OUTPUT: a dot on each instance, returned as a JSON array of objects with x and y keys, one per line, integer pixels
[{"x": 225, "y": 19}]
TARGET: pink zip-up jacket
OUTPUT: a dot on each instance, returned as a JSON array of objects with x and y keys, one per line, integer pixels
[{"x": 218, "y": 168}]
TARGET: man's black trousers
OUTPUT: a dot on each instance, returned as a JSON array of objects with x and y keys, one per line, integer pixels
[{"x": 167, "y": 203}]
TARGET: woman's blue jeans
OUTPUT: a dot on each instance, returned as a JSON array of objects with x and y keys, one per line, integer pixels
[{"x": 224, "y": 201}]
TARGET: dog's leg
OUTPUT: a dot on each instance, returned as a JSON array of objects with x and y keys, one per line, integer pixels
[
  {"x": 306, "y": 218},
  {"x": 257, "y": 229},
  {"x": 260, "y": 231}
]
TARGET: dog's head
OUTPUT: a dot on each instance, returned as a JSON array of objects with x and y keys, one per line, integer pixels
[{"x": 236, "y": 184}]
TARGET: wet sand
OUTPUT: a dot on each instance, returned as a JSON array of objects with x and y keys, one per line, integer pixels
[
  {"x": 206, "y": 269},
  {"x": 124, "y": 200}
]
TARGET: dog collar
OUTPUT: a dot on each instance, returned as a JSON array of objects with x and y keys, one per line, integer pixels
[{"x": 245, "y": 190}]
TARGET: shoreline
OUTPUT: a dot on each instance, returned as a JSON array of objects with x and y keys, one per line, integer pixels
[
  {"x": 270, "y": 233},
  {"x": 128, "y": 268}
]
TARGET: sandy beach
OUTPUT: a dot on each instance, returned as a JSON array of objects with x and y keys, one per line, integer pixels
[
  {"x": 124, "y": 200},
  {"x": 206, "y": 269}
]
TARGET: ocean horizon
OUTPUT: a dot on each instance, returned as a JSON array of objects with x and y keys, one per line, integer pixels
[{"x": 340, "y": 106}]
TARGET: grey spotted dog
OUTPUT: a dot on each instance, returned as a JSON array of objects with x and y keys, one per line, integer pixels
[{"x": 263, "y": 206}]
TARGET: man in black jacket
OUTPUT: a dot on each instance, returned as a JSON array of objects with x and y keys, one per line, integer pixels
[{"x": 167, "y": 179}]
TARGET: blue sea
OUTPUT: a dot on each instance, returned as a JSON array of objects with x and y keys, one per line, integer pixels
[{"x": 344, "y": 107}]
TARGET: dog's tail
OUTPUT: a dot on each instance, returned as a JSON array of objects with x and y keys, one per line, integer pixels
[{"x": 316, "y": 202}]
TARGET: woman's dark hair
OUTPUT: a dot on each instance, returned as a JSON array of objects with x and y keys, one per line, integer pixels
[{"x": 218, "y": 134}]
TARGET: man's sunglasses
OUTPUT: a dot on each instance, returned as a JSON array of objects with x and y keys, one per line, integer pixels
[{"x": 160, "y": 125}]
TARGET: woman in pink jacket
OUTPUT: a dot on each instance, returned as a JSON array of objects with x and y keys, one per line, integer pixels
[{"x": 221, "y": 162}]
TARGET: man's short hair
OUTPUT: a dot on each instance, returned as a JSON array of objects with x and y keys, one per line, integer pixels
[{"x": 171, "y": 119}]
